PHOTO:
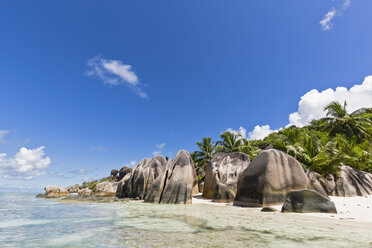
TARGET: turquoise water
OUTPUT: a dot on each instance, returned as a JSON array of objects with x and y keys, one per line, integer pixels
[{"x": 26, "y": 221}]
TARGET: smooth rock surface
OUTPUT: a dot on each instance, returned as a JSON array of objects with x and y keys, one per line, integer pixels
[
  {"x": 106, "y": 189},
  {"x": 308, "y": 201},
  {"x": 176, "y": 184},
  {"x": 52, "y": 191},
  {"x": 316, "y": 182},
  {"x": 201, "y": 186},
  {"x": 267, "y": 180},
  {"x": 221, "y": 175},
  {"x": 142, "y": 176},
  {"x": 121, "y": 186}
]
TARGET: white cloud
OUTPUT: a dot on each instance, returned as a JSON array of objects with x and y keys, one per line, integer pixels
[
  {"x": 26, "y": 163},
  {"x": 131, "y": 164},
  {"x": 159, "y": 149},
  {"x": 312, "y": 103},
  {"x": 114, "y": 72},
  {"x": 260, "y": 132},
  {"x": 326, "y": 23},
  {"x": 242, "y": 131},
  {"x": 2, "y": 135}
]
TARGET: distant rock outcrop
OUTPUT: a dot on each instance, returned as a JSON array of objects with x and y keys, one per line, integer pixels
[
  {"x": 176, "y": 184},
  {"x": 221, "y": 175},
  {"x": 52, "y": 191},
  {"x": 123, "y": 171},
  {"x": 73, "y": 188},
  {"x": 85, "y": 192},
  {"x": 267, "y": 180},
  {"x": 106, "y": 189},
  {"x": 142, "y": 176},
  {"x": 114, "y": 175},
  {"x": 308, "y": 201}
]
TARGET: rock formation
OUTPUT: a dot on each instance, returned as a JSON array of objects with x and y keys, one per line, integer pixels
[
  {"x": 201, "y": 186},
  {"x": 308, "y": 201},
  {"x": 114, "y": 175},
  {"x": 267, "y": 180},
  {"x": 316, "y": 182},
  {"x": 52, "y": 191},
  {"x": 120, "y": 189},
  {"x": 142, "y": 176},
  {"x": 106, "y": 189},
  {"x": 349, "y": 182},
  {"x": 85, "y": 192},
  {"x": 176, "y": 184},
  {"x": 73, "y": 188},
  {"x": 123, "y": 171},
  {"x": 221, "y": 175}
]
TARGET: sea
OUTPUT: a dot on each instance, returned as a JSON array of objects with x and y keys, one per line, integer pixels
[{"x": 27, "y": 221}]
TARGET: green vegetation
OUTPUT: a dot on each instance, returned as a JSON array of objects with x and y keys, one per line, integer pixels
[
  {"x": 323, "y": 146},
  {"x": 92, "y": 185}
]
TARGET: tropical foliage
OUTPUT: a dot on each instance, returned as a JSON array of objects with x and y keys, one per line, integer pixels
[{"x": 323, "y": 146}]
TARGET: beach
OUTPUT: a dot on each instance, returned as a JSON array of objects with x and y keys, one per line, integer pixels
[{"x": 356, "y": 208}]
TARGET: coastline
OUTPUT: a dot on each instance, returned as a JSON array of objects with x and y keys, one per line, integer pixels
[{"x": 357, "y": 208}]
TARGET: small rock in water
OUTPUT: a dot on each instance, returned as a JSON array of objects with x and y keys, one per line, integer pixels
[{"x": 269, "y": 209}]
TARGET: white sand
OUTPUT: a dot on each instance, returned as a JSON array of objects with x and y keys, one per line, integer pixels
[{"x": 349, "y": 208}]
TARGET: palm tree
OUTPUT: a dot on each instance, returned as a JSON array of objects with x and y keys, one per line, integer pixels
[
  {"x": 231, "y": 142},
  {"x": 206, "y": 149},
  {"x": 339, "y": 121},
  {"x": 249, "y": 149}
]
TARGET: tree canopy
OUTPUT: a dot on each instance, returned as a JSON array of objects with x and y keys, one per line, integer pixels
[{"x": 323, "y": 146}]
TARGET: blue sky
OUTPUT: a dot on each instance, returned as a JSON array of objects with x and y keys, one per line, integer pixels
[{"x": 88, "y": 86}]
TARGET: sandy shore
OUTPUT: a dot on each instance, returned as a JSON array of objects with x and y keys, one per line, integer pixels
[{"x": 349, "y": 208}]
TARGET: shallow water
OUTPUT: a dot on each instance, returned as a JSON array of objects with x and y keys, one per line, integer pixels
[{"x": 26, "y": 221}]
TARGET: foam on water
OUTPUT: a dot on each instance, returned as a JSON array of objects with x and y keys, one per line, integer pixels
[{"x": 29, "y": 222}]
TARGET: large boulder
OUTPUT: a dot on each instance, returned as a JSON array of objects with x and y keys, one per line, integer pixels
[
  {"x": 106, "y": 189},
  {"x": 316, "y": 182},
  {"x": 121, "y": 186},
  {"x": 221, "y": 175},
  {"x": 73, "y": 188},
  {"x": 123, "y": 171},
  {"x": 52, "y": 191},
  {"x": 350, "y": 182},
  {"x": 142, "y": 176},
  {"x": 308, "y": 201},
  {"x": 176, "y": 184},
  {"x": 267, "y": 180},
  {"x": 85, "y": 192}
]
